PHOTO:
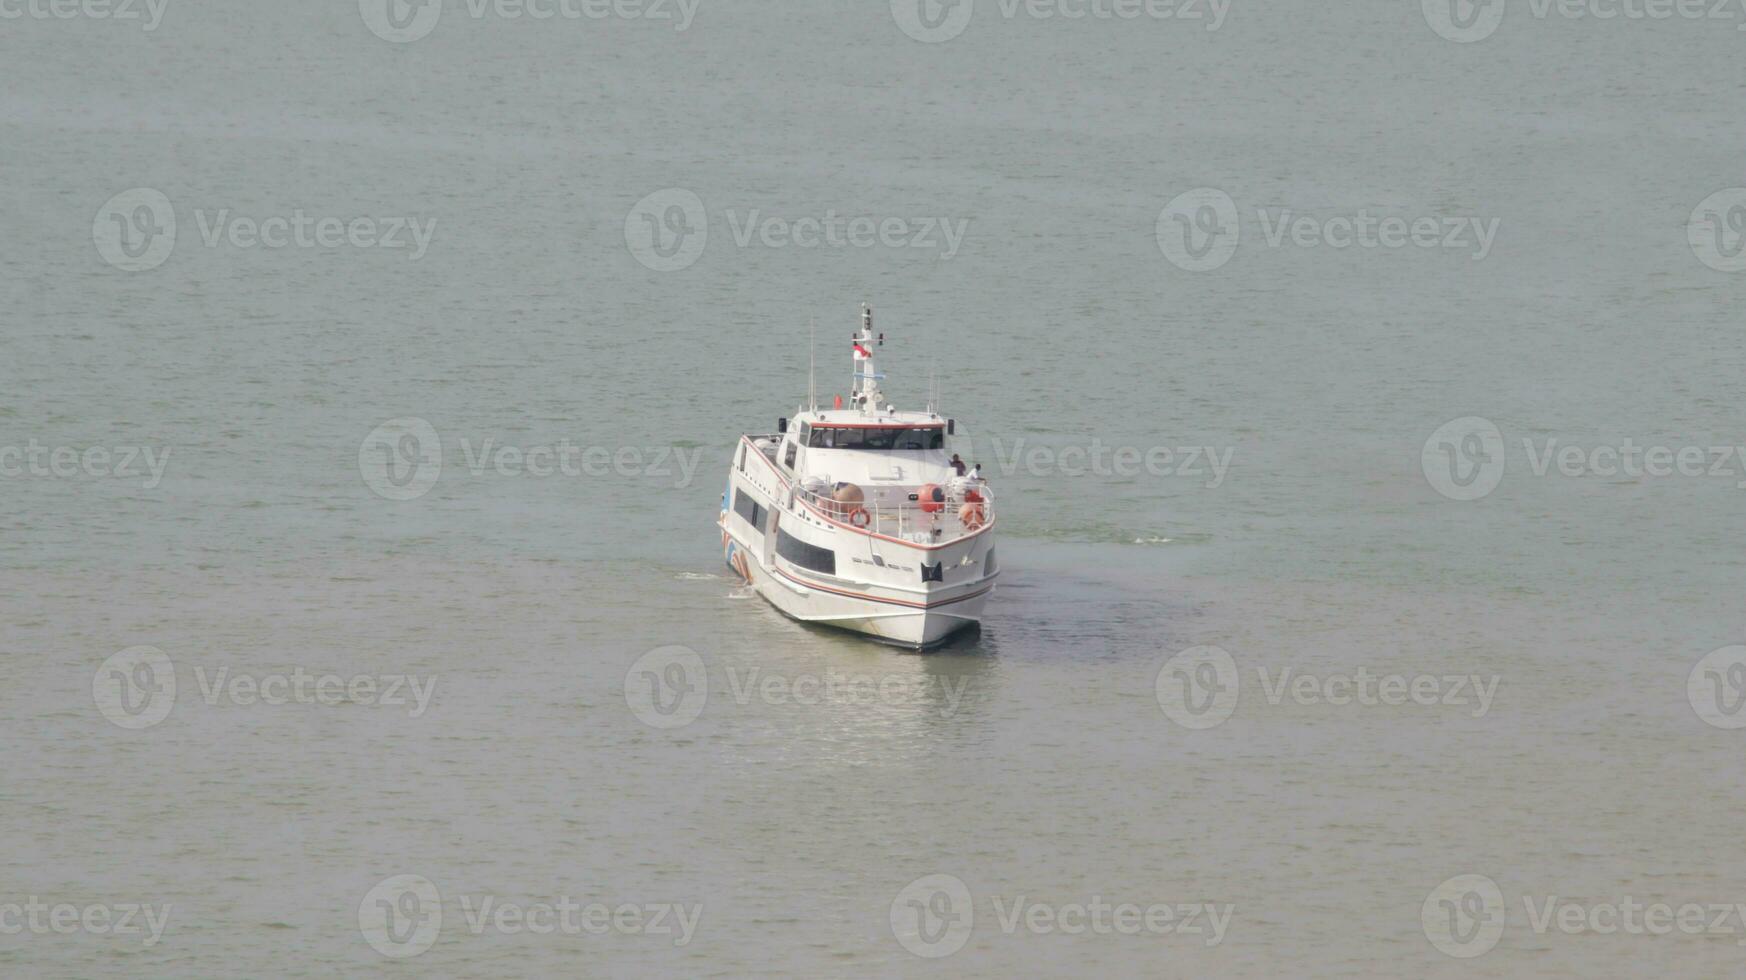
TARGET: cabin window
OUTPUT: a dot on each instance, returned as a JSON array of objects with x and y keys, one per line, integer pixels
[
  {"x": 808, "y": 556},
  {"x": 754, "y": 512},
  {"x": 919, "y": 439},
  {"x": 788, "y": 459},
  {"x": 896, "y": 437}
]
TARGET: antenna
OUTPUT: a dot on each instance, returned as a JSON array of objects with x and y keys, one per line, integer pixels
[{"x": 812, "y": 364}]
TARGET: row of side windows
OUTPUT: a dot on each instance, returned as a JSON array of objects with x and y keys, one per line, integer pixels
[
  {"x": 755, "y": 513},
  {"x": 856, "y": 437},
  {"x": 809, "y": 556}
]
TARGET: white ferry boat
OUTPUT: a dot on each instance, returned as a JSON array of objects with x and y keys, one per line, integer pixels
[{"x": 857, "y": 517}]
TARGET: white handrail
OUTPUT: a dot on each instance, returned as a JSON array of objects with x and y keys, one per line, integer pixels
[{"x": 906, "y": 515}]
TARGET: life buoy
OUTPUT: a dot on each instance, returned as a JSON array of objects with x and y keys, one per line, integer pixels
[
  {"x": 972, "y": 515},
  {"x": 859, "y": 517}
]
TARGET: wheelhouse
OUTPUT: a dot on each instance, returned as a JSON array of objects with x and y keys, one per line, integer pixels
[{"x": 898, "y": 438}]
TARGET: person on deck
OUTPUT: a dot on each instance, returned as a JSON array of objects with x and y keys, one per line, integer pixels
[{"x": 957, "y": 464}]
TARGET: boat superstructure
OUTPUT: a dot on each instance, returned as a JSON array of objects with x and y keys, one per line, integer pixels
[{"x": 855, "y": 516}]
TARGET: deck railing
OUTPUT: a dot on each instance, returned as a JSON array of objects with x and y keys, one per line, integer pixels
[{"x": 905, "y": 518}]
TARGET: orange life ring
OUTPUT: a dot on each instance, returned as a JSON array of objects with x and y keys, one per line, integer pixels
[
  {"x": 859, "y": 517},
  {"x": 972, "y": 515}
]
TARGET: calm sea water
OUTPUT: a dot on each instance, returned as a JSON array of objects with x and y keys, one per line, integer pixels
[{"x": 630, "y": 227}]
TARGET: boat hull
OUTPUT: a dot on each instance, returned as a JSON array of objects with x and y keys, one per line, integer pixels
[
  {"x": 906, "y": 626},
  {"x": 911, "y": 618}
]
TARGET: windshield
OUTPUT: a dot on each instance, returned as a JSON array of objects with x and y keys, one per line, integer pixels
[{"x": 896, "y": 437}]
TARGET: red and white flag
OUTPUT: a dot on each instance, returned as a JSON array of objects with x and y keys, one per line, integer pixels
[{"x": 860, "y": 351}]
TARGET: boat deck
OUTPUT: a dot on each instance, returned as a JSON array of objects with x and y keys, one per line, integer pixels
[{"x": 890, "y": 511}]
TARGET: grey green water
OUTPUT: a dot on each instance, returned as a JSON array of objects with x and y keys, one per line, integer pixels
[{"x": 1383, "y": 263}]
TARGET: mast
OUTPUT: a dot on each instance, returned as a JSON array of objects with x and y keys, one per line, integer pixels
[{"x": 864, "y": 393}]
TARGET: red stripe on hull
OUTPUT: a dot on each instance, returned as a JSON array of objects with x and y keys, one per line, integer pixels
[{"x": 874, "y": 598}]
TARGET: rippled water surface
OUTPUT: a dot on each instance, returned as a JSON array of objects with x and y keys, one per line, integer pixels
[{"x": 589, "y": 707}]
